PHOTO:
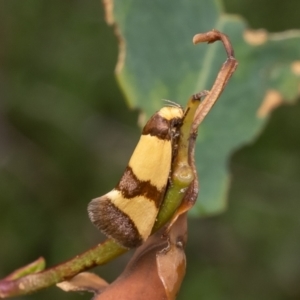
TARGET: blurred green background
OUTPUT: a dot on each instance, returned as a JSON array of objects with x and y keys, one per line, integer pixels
[{"x": 66, "y": 136}]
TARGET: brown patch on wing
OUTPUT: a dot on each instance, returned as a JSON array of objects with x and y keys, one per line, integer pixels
[
  {"x": 158, "y": 126},
  {"x": 113, "y": 222},
  {"x": 130, "y": 186}
]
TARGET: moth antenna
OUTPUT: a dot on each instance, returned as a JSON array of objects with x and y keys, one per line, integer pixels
[{"x": 172, "y": 103}]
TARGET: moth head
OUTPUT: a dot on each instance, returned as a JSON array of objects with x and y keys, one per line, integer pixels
[{"x": 171, "y": 113}]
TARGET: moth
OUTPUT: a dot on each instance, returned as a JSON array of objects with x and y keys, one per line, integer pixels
[{"x": 128, "y": 212}]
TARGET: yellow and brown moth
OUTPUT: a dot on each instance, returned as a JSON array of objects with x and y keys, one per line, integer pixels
[{"x": 128, "y": 212}]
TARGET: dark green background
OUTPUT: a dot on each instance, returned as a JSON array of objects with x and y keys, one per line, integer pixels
[{"x": 66, "y": 136}]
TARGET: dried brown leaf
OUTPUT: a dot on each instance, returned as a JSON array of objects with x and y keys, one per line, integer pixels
[
  {"x": 171, "y": 262},
  {"x": 84, "y": 281},
  {"x": 156, "y": 269}
]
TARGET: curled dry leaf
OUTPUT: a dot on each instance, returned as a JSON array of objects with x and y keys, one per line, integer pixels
[
  {"x": 171, "y": 262},
  {"x": 155, "y": 271},
  {"x": 84, "y": 281}
]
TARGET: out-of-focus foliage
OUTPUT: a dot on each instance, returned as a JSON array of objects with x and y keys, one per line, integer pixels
[
  {"x": 66, "y": 136},
  {"x": 65, "y": 130}
]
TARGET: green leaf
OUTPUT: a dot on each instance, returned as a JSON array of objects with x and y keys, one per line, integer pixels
[{"x": 162, "y": 63}]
